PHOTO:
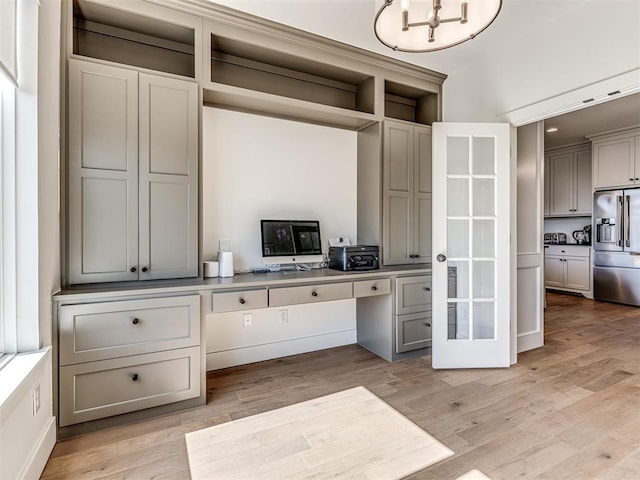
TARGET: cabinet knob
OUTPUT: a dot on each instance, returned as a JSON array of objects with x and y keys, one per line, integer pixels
[
  {"x": 428, "y": 289},
  {"x": 314, "y": 294},
  {"x": 133, "y": 269},
  {"x": 427, "y": 324},
  {"x": 134, "y": 377},
  {"x": 373, "y": 287},
  {"x": 135, "y": 321},
  {"x": 242, "y": 301},
  {"x": 637, "y": 179},
  {"x": 144, "y": 269}
]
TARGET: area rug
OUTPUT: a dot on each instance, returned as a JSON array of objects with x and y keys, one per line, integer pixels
[{"x": 347, "y": 435}]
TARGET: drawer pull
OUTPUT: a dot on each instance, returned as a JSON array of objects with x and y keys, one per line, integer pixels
[
  {"x": 428, "y": 289},
  {"x": 135, "y": 321},
  {"x": 427, "y": 324},
  {"x": 133, "y": 269},
  {"x": 242, "y": 301},
  {"x": 373, "y": 287},
  {"x": 144, "y": 269},
  {"x": 134, "y": 377},
  {"x": 314, "y": 294}
]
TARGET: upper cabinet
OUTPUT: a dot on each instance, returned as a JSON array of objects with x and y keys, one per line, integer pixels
[
  {"x": 568, "y": 172},
  {"x": 616, "y": 159},
  {"x": 132, "y": 176}
]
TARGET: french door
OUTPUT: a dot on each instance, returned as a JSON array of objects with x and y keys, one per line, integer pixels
[{"x": 471, "y": 245}]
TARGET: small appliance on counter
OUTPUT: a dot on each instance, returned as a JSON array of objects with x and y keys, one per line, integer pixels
[
  {"x": 583, "y": 237},
  {"x": 555, "y": 238},
  {"x": 354, "y": 257}
]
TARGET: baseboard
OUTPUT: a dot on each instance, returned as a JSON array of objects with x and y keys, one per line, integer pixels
[
  {"x": 258, "y": 353},
  {"x": 40, "y": 454}
]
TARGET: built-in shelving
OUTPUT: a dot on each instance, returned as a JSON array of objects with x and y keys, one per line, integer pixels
[{"x": 404, "y": 102}]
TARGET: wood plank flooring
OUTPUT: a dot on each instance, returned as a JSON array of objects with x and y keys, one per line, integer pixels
[{"x": 569, "y": 410}]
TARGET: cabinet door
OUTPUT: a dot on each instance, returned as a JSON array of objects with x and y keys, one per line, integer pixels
[
  {"x": 168, "y": 178},
  {"x": 413, "y": 294},
  {"x": 584, "y": 191},
  {"x": 553, "y": 271},
  {"x": 614, "y": 163},
  {"x": 397, "y": 214},
  {"x": 103, "y": 173},
  {"x": 561, "y": 197},
  {"x": 577, "y": 273},
  {"x": 422, "y": 200}
]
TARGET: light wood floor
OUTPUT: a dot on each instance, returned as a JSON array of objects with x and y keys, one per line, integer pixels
[{"x": 569, "y": 410}]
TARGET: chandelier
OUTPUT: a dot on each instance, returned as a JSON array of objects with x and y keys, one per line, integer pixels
[{"x": 428, "y": 25}]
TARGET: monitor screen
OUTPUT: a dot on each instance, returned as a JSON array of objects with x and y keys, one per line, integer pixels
[{"x": 290, "y": 240}]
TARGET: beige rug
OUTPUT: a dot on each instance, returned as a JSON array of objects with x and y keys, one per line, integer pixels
[{"x": 347, "y": 435}]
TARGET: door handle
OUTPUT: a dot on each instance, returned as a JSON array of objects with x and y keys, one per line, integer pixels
[
  {"x": 441, "y": 257},
  {"x": 619, "y": 218},
  {"x": 627, "y": 221}
]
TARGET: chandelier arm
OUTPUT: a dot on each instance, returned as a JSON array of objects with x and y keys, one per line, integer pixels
[{"x": 448, "y": 20}]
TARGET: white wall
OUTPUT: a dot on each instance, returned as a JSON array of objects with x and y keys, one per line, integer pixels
[{"x": 257, "y": 167}]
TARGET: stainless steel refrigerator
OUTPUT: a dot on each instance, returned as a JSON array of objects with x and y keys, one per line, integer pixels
[{"x": 616, "y": 244}]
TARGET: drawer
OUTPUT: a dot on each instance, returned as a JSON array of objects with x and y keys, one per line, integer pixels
[
  {"x": 413, "y": 331},
  {"x": 568, "y": 250},
  {"x": 241, "y": 300},
  {"x": 413, "y": 294},
  {"x": 368, "y": 288},
  {"x": 310, "y": 294},
  {"x": 101, "y": 389},
  {"x": 100, "y": 331}
]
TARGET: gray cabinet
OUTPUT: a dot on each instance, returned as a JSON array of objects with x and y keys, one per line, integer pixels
[
  {"x": 616, "y": 159},
  {"x": 567, "y": 267},
  {"x": 133, "y": 175},
  {"x": 406, "y": 193},
  {"x": 413, "y": 313},
  {"x": 569, "y": 181}
]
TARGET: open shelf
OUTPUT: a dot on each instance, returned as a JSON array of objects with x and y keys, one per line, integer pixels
[
  {"x": 122, "y": 37},
  {"x": 257, "y": 69},
  {"x": 404, "y": 102}
]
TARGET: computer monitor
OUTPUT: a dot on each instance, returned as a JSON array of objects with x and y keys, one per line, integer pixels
[{"x": 290, "y": 241}]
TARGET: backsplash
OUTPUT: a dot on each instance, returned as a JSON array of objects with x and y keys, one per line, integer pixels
[{"x": 566, "y": 225}]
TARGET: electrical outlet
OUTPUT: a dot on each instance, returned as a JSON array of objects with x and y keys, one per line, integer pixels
[
  {"x": 284, "y": 316},
  {"x": 36, "y": 399},
  {"x": 247, "y": 319}
]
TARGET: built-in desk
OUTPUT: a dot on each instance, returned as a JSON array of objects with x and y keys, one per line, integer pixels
[{"x": 132, "y": 335}]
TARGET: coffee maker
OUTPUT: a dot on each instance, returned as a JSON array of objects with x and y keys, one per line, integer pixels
[{"x": 583, "y": 237}]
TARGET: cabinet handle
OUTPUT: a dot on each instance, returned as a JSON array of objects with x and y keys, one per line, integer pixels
[
  {"x": 242, "y": 301},
  {"x": 133, "y": 269},
  {"x": 428, "y": 289},
  {"x": 631, "y": 179},
  {"x": 314, "y": 294},
  {"x": 637, "y": 179},
  {"x": 374, "y": 288},
  {"x": 135, "y": 321},
  {"x": 134, "y": 377},
  {"x": 427, "y": 324},
  {"x": 144, "y": 269}
]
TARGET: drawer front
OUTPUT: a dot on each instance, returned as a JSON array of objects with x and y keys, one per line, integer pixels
[
  {"x": 413, "y": 294},
  {"x": 570, "y": 250},
  {"x": 101, "y": 389},
  {"x": 310, "y": 294},
  {"x": 368, "y": 288},
  {"x": 413, "y": 331},
  {"x": 242, "y": 300},
  {"x": 100, "y": 331}
]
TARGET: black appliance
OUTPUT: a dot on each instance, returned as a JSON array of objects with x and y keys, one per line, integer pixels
[{"x": 354, "y": 257}]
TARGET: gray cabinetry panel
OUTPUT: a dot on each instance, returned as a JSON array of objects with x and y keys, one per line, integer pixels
[{"x": 413, "y": 331}]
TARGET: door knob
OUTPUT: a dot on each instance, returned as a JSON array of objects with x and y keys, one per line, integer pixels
[{"x": 441, "y": 257}]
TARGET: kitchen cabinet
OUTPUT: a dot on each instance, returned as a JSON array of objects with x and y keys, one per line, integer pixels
[
  {"x": 413, "y": 313},
  {"x": 133, "y": 175},
  {"x": 616, "y": 159},
  {"x": 567, "y": 267},
  {"x": 407, "y": 193},
  {"x": 569, "y": 181}
]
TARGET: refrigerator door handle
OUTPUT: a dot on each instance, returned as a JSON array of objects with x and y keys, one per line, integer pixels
[
  {"x": 619, "y": 216},
  {"x": 627, "y": 221}
]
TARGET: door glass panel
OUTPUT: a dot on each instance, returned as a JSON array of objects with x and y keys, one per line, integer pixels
[
  {"x": 458, "y": 235},
  {"x": 484, "y": 197},
  {"x": 458, "y": 155},
  {"x": 458, "y": 197},
  {"x": 484, "y": 150},
  {"x": 484, "y": 244},
  {"x": 484, "y": 320},
  {"x": 460, "y": 287},
  {"x": 484, "y": 279},
  {"x": 459, "y": 326}
]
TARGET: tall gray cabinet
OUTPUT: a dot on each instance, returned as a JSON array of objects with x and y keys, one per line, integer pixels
[{"x": 133, "y": 175}]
